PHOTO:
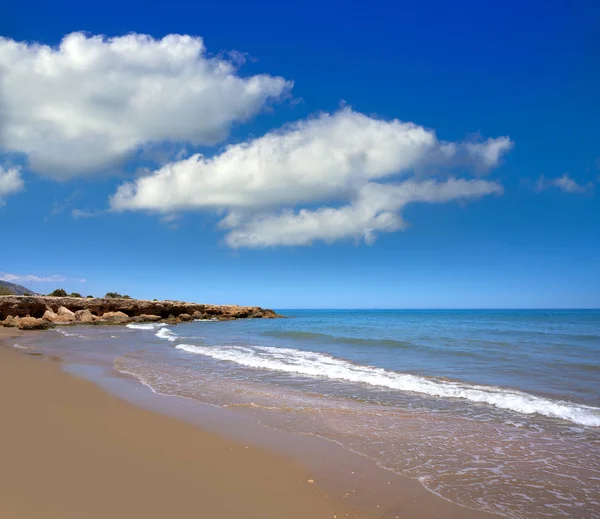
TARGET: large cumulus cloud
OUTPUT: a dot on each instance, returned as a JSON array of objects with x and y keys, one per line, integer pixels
[
  {"x": 92, "y": 102},
  {"x": 373, "y": 167}
]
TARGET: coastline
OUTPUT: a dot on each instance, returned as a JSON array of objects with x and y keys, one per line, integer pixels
[
  {"x": 37, "y": 312},
  {"x": 71, "y": 451},
  {"x": 177, "y": 466}
]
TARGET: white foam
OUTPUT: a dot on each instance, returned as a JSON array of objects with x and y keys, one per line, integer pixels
[
  {"x": 214, "y": 319},
  {"x": 321, "y": 365},
  {"x": 165, "y": 333},
  {"x": 145, "y": 326},
  {"x": 65, "y": 333}
]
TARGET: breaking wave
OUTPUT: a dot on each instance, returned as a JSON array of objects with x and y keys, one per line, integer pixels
[
  {"x": 316, "y": 364},
  {"x": 145, "y": 326},
  {"x": 165, "y": 333}
]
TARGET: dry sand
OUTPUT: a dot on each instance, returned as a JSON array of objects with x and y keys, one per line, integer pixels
[{"x": 69, "y": 450}]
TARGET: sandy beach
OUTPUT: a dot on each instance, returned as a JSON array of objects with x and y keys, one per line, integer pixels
[{"x": 70, "y": 451}]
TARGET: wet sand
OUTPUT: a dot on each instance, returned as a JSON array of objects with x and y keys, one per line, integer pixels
[{"x": 70, "y": 450}]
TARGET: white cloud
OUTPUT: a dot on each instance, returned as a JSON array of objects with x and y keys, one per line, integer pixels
[
  {"x": 491, "y": 152},
  {"x": 170, "y": 218},
  {"x": 568, "y": 185},
  {"x": 17, "y": 278},
  {"x": 564, "y": 183},
  {"x": 375, "y": 210},
  {"x": 10, "y": 182},
  {"x": 80, "y": 213},
  {"x": 92, "y": 102},
  {"x": 332, "y": 158},
  {"x": 59, "y": 206}
]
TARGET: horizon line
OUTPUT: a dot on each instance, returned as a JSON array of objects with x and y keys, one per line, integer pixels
[{"x": 443, "y": 308}]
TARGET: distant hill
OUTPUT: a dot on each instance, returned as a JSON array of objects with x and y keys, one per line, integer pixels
[{"x": 17, "y": 290}]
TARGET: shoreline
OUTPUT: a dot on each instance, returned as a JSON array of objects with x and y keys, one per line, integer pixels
[
  {"x": 396, "y": 496},
  {"x": 76, "y": 451}
]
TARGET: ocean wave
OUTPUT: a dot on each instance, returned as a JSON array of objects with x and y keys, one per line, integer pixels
[
  {"x": 67, "y": 334},
  {"x": 166, "y": 334},
  {"x": 316, "y": 364},
  {"x": 145, "y": 326},
  {"x": 314, "y": 336}
]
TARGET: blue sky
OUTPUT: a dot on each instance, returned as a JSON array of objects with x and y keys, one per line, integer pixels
[{"x": 312, "y": 188}]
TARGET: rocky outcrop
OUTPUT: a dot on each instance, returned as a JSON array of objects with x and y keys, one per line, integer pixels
[
  {"x": 115, "y": 318},
  {"x": 50, "y": 316},
  {"x": 31, "y": 323},
  {"x": 26, "y": 323},
  {"x": 147, "y": 318},
  {"x": 85, "y": 316},
  {"x": 64, "y": 315},
  {"x": 117, "y": 311},
  {"x": 10, "y": 321}
]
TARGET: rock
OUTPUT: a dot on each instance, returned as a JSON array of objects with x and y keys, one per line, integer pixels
[
  {"x": 84, "y": 316},
  {"x": 65, "y": 315},
  {"x": 149, "y": 318},
  {"x": 65, "y": 307},
  {"x": 50, "y": 316},
  {"x": 185, "y": 317},
  {"x": 172, "y": 320},
  {"x": 31, "y": 323},
  {"x": 9, "y": 321},
  {"x": 115, "y": 318}
]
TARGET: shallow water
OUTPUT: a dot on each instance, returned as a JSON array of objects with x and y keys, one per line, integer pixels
[{"x": 494, "y": 410}]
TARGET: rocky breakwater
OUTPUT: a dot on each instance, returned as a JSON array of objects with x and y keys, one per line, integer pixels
[{"x": 41, "y": 312}]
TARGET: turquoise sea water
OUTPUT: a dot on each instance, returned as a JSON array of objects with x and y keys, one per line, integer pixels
[{"x": 496, "y": 410}]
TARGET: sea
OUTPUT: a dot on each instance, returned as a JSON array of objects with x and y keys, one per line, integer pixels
[{"x": 495, "y": 410}]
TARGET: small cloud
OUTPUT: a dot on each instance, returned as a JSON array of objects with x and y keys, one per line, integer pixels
[
  {"x": 79, "y": 213},
  {"x": 568, "y": 185},
  {"x": 10, "y": 182},
  {"x": 29, "y": 278},
  {"x": 17, "y": 278},
  {"x": 541, "y": 184},
  {"x": 59, "y": 206},
  {"x": 565, "y": 183},
  {"x": 182, "y": 154},
  {"x": 171, "y": 220},
  {"x": 239, "y": 58}
]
